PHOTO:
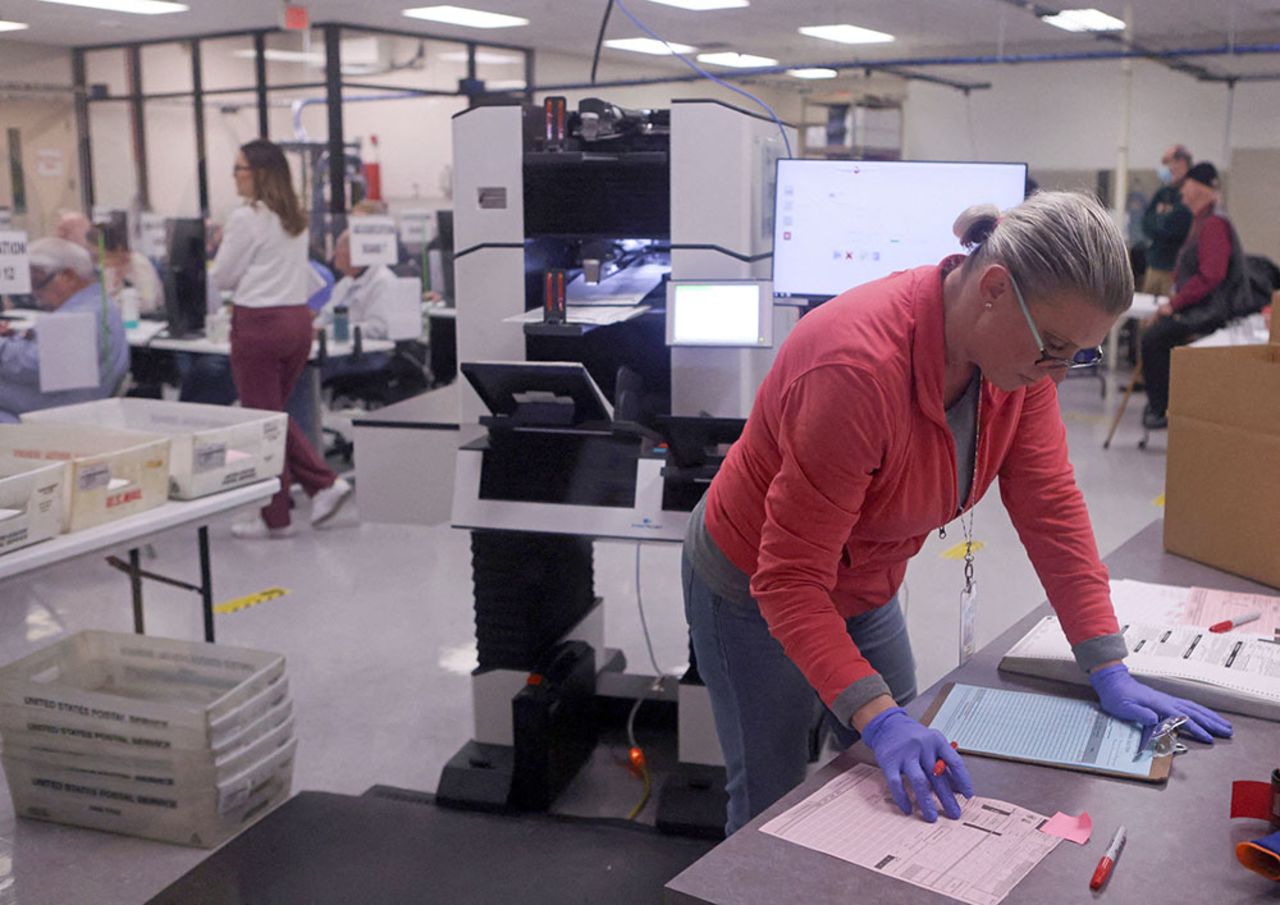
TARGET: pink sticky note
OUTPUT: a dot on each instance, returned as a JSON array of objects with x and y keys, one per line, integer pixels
[{"x": 1073, "y": 829}]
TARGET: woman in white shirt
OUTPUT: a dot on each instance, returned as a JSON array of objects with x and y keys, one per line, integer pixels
[{"x": 262, "y": 261}]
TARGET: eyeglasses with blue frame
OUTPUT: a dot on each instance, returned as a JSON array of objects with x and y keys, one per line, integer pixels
[{"x": 1085, "y": 358}]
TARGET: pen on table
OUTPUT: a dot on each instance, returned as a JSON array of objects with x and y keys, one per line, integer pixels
[
  {"x": 940, "y": 767},
  {"x": 1227, "y": 625},
  {"x": 1108, "y": 860}
]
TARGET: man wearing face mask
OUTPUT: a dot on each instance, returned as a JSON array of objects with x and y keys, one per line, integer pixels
[{"x": 1166, "y": 222}]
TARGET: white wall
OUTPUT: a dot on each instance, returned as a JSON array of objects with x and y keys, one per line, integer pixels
[
  {"x": 46, "y": 123},
  {"x": 1066, "y": 116}
]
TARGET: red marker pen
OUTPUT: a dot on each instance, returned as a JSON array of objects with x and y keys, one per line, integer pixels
[
  {"x": 941, "y": 767},
  {"x": 1227, "y": 625},
  {"x": 1108, "y": 860}
]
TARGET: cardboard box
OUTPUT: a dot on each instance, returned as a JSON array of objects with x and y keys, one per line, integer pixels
[{"x": 1222, "y": 500}]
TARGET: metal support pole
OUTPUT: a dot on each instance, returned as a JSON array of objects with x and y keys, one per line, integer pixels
[
  {"x": 133, "y": 62},
  {"x": 206, "y": 582},
  {"x": 1226, "y": 138},
  {"x": 260, "y": 80},
  {"x": 333, "y": 98},
  {"x": 83, "y": 148},
  {"x": 202, "y": 157},
  {"x": 135, "y": 586}
]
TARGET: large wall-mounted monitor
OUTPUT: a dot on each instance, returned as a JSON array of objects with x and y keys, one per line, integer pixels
[
  {"x": 842, "y": 223},
  {"x": 733, "y": 313}
]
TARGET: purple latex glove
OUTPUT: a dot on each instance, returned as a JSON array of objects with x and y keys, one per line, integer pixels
[
  {"x": 903, "y": 747},
  {"x": 1125, "y": 698}
]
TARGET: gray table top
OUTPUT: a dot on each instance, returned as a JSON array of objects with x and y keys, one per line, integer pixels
[{"x": 1181, "y": 845}]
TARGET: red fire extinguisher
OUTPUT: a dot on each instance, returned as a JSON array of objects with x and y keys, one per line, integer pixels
[{"x": 373, "y": 172}]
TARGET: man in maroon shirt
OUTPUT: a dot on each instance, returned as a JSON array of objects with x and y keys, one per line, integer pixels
[{"x": 1208, "y": 277}]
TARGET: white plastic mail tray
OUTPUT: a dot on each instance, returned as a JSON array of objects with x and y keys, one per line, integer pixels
[
  {"x": 110, "y": 474},
  {"x": 212, "y": 447},
  {"x": 31, "y": 502}
]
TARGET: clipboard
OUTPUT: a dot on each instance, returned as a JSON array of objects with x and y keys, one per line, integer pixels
[{"x": 1159, "y": 766}]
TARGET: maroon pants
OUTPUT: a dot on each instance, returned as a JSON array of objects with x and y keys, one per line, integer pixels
[{"x": 269, "y": 350}]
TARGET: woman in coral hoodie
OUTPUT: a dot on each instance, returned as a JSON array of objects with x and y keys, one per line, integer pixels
[{"x": 889, "y": 412}]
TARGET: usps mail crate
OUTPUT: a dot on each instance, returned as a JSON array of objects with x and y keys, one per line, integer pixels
[
  {"x": 212, "y": 447},
  {"x": 31, "y": 503},
  {"x": 110, "y": 474},
  {"x": 103, "y": 690},
  {"x": 203, "y": 817}
]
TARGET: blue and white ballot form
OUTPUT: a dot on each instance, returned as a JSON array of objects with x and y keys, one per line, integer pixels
[{"x": 1043, "y": 729}]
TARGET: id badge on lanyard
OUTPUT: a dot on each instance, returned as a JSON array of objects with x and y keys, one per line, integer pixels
[{"x": 968, "y": 597}]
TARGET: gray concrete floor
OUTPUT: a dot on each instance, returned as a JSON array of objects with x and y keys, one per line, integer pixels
[{"x": 377, "y": 629}]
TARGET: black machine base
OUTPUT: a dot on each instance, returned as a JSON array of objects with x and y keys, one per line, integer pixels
[
  {"x": 479, "y": 778},
  {"x": 693, "y": 802}
]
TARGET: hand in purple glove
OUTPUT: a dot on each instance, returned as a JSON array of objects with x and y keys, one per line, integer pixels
[
  {"x": 903, "y": 747},
  {"x": 1125, "y": 698}
]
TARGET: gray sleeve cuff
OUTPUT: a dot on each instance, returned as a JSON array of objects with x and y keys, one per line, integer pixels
[
  {"x": 1093, "y": 653},
  {"x": 857, "y": 694}
]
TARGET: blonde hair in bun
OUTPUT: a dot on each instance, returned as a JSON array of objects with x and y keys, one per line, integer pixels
[{"x": 1054, "y": 243}]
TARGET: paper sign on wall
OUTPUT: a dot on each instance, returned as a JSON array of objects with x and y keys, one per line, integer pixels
[
  {"x": 15, "y": 268},
  {"x": 68, "y": 351},
  {"x": 404, "y": 314},
  {"x": 151, "y": 241},
  {"x": 417, "y": 227},
  {"x": 51, "y": 162},
  {"x": 373, "y": 241}
]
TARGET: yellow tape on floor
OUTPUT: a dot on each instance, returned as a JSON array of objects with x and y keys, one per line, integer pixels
[
  {"x": 243, "y": 603},
  {"x": 1158, "y": 501},
  {"x": 957, "y": 552}
]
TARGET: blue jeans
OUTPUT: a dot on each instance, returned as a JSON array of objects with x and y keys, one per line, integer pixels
[{"x": 764, "y": 707}]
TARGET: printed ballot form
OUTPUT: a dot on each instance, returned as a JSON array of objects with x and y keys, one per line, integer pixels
[
  {"x": 1139, "y": 601},
  {"x": 978, "y": 859}
]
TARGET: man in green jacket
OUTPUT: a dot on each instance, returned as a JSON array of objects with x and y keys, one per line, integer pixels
[{"x": 1166, "y": 222}]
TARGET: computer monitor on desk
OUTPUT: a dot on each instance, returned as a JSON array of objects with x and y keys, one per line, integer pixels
[{"x": 185, "y": 288}]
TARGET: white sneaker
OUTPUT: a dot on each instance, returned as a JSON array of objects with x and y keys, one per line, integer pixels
[
  {"x": 256, "y": 529},
  {"x": 326, "y": 503}
]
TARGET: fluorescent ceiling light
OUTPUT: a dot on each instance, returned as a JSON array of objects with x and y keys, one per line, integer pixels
[
  {"x": 487, "y": 57},
  {"x": 648, "y": 45},
  {"x": 142, "y": 7},
  {"x": 283, "y": 56},
  {"x": 813, "y": 73},
  {"x": 701, "y": 6},
  {"x": 461, "y": 15},
  {"x": 6, "y": 25},
  {"x": 736, "y": 60},
  {"x": 1084, "y": 20},
  {"x": 846, "y": 34}
]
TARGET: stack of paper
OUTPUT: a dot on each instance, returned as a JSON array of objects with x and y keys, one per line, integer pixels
[{"x": 1165, "y": 630}]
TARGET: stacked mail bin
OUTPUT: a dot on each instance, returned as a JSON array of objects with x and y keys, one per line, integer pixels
[{"x": 164, "y": 739}]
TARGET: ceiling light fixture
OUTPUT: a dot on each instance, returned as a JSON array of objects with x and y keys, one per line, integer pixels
[
  {"x": 1084, "y": 20},
  {"x": 649, "y": 46},
  {"x": 141, "y": 7},
  {"x": 6, "y": 25},
  {"x": 276, "y": 55},
  {"x": 736, "y": 60},
  {"x": 702, "y": 6},
  {"x": 467, "y": 18},
  {"x": 483, "y": 57},
  {"x": 813, "y": 73},
  {"x": 847, "y": 34}
]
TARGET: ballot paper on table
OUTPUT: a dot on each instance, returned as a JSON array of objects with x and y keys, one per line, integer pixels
[
  {"x": 1138, "y": 601},
  {"x": 978, "y": 859},
  {"x": 68, "y": 347}
]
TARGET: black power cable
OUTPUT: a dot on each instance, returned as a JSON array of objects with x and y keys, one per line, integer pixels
[{"x": 604, "y": 24}]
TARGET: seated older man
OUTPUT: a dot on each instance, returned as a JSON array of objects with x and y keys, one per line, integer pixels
[
  {"x": 63, "y": 281},
  {"x": 367, "y": 292}
]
